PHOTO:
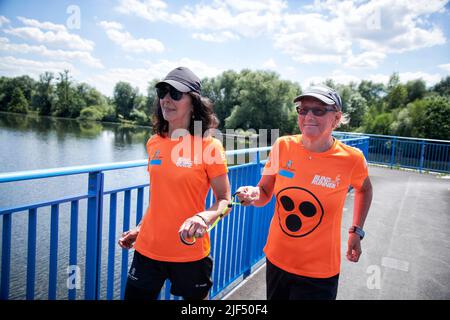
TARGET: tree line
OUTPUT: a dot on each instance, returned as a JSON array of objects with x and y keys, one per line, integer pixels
[{"x": 243, "y": 100}]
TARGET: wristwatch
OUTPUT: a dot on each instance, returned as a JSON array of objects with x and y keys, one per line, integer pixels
[{"x": 355, "y": 229}]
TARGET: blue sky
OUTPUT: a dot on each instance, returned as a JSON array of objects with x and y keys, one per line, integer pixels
[{"x": 105, "y": 41}]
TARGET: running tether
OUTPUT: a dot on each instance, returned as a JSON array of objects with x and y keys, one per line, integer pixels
[{"x": 229, "y": 206}]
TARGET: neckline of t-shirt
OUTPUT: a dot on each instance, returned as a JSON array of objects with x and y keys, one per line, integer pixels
[
  {"x": 319, "y": 154},
  {"x": 190, "y": 136}
]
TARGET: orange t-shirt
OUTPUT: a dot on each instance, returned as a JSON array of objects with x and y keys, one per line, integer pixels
[
  {"x": 180, "y": 173},
  {"x": 310, "y": 190}
]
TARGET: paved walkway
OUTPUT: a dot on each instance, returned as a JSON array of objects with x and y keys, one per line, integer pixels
[{"x": 406, "y": 252}]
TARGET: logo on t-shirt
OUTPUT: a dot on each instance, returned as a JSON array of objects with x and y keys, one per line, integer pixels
[
  {"x": 155, "y": 159},
  {"x": 289, "y": 164},
  {"x": 326, "y": 182},
  {"x": 299, "y": 211},
  {"x": 184, "y": 163},
  {"x": 287, "y": 171}
]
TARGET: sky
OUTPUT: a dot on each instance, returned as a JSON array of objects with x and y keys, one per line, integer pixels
[{"x": 105, "y": 41}]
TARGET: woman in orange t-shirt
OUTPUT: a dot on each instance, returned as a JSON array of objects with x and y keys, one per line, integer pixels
[
  {"x": 309, "y": 175},
  {"x": 184, "y": 162}
]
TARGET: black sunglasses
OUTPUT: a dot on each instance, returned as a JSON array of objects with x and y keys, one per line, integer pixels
[
  {"x": 318, "y": 112},
  {"x": 174, "y": 93}
]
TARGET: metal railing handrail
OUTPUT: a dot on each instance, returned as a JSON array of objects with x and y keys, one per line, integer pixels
[
  {"x": 389, "y": 137},
  {"x": 65, "y": 171}
]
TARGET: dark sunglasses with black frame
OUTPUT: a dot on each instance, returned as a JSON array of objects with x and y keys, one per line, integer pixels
[
  {"x": 174, "y": 93},
  {"x": 318, "y": 112}
]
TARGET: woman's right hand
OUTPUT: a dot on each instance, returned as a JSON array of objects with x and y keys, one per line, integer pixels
[
  {"x": 128, "y": 238},
  {"x": 247, "y": 195}
]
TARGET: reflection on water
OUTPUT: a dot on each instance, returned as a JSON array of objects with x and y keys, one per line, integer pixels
[
  {"x": 33, "y": 142},
  {"x": 60, "y": 128}
]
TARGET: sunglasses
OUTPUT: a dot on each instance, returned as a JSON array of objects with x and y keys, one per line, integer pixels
[
  {"x": 174, "y": 93},
  {"x": 318, "y": 112}
]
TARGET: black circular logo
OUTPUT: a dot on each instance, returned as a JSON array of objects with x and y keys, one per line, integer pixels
[{"x": 298, "y": 219}]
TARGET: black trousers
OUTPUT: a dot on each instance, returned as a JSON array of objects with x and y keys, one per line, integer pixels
[
  {"x": 191, "y": 280},
  {"x": 282, "y": 285}
]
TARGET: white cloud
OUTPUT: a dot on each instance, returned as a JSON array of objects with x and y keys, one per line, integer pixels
[
  {"x": 152, "y": 10},
  {"x": 57, "y": 34},
  {"x": 269, "y": 64},
  {"x": 248, "y": 18},
  {"x": 42, "y": 25},
  {"x": 217, "y": 37},
  {"x": 110, "y": 25},
  {"x": 82, "y": 56},
  {"x": 445, "y": 67},
  {"x": 430, "y": 79},
  {"x": 338, "y": 76},
  {"x": 12, "y": 66},
  {"x": 242, "y": 19},
  {"x": 127, "y": 42},
  {"x": 390, "y": 26},
  {"x": 368, "y": 59},
  {"x": 256, "y": 5},
  {"x": 3, "y": 20},
  {"x": 311, "y": 38},
  {"x": 326, "y": 31}
]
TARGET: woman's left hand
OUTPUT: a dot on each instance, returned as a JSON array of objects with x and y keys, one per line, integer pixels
[
  {"x": 354, "y": 247},
  {"x": 193, "y": 226}
]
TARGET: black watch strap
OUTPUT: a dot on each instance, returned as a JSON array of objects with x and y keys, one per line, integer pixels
[{"x": 355, "y": 229}]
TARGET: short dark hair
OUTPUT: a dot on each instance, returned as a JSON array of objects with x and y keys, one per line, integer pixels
[{"x": 202, "y": 111}]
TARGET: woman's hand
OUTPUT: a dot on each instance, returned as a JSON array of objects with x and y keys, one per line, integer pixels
[
  {"x": 247, "y": 195},
  {"x": 128, "y": 238},
  {"x": 354, "y": 247},
  {"x": 195, "y": 226}
]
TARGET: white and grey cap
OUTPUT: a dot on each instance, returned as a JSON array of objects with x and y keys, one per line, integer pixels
[{"x": 325, "y": 94}]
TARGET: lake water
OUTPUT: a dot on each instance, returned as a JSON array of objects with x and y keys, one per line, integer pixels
[{"x": 32, "y": 142}]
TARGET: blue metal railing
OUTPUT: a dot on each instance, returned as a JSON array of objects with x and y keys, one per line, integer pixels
[
  {"x": 414, "y": 153},
  {"x": 236, "y": 242}
]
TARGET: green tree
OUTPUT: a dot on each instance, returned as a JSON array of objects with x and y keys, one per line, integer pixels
[
  {"x": 91, "y": 113},
  {"x": 416, "y": 90},
  {"x": 443, "y": 87},
  {"x": 436, "y": 124},
  {"x": 43, "y": 99},
  {"x": 396, "y": 93},
  {"x": 90, "y": 95},
  {"x": 403, "y": 124},
  {"x": 371, "y": 91},
  {"x": 356, "y": 109},
  {"x": 345, "y": 92},
  {"x": 5, "y": 96},
  {"x": 139, "y": 117},
  {"x": 264, "y": 101},
  {"x": 150, "y": 99},
  {"x": 124, "y": 99},
  {"x": 223, "y": 91},
  {"x": 382, "y": 123},
  {"x": 27, "y": 85},
  {"x": 18, "y": 102},
  {"x": 8, "y": 85},
  {"x": 64, "y": 95}
]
